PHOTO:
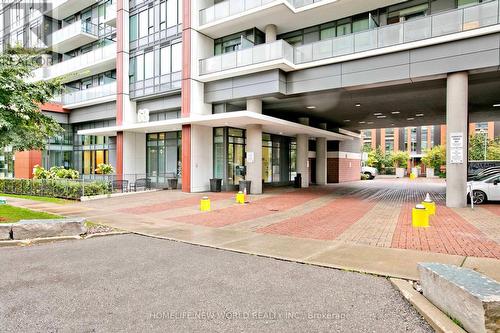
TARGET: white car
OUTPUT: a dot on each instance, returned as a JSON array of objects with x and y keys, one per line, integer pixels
[
  {"x": 369, "y": 171},
  {"x": 487, "y": 188}
]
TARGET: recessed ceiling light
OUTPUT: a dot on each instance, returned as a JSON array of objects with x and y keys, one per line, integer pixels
[
  {"x": 419, "y": 115},
  {"x": 393, "y": 124},
  {"x": 395, "y": 112},
  {"x": 377, "y": 114},
  {"x": 347, "y": 120},
  {"x": 496, "y": 105},
  {"x": 362, "y": 122},
  {"x": 370, "y": 122},
  {"x": 381, "y": 117},
  {"x": 357, "y": 105},
  {"x": 310, "y": 107},
  {"x": 281, "y": 133},
  {"x": 410, "y": 118}
]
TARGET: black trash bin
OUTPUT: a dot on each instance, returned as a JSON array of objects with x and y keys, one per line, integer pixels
[
  {"x": 297, "y": 182},
  {"x": 245, "y": 184},
  {"x": 215, "y": 185},
  {"x": 172, "y": 183}
]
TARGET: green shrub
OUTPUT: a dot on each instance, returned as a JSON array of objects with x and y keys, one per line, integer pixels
[
  {"x": 54, "y": 173},
  {"x": 57, "y": 188},
  {"x": 434, "y": 158},
  {"x": 104, "y": 169},
  {"x": 399, "y": 159}
]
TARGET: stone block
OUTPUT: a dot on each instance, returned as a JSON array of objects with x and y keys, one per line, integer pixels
[
  {"x": 29, "y": 229},
  {"x": 463, "y": 294},
  {"x": 5, "y": 229}
]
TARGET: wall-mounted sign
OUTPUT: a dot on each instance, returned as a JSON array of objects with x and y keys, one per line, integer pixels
[
  {"x": 143, "y": 116},
  {"x": 250, "y": 157},
  {"x": 457, "y": 148}
]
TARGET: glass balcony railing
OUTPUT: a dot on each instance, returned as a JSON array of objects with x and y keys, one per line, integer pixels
[
  {"x": 82, "y": 96},
  {"x": 109, "y": 16},
  {"x": 232, "y": 7},
  {"x": 76, "y": 64},
  {"x": 254, "y": 55},
  {"x": 73, "y": 30},
  {"x": 445, "y": 23}
]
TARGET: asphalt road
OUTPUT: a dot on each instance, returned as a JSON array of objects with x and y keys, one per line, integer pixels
[{"x": 135, "y": 283}]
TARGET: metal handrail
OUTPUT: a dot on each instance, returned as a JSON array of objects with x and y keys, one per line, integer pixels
[{"x": 436, "y": 25}]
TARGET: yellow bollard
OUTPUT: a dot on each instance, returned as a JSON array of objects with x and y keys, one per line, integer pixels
[
  {"x": 240, "y": 197},
  {"x": 412, "y": 176},
  {"x": 430, "y": 206},
  {"x": 419, "y": 217},
  {"x": 205, "y": 204}
]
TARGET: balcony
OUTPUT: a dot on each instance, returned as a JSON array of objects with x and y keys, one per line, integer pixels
[
  {"x": 278, "y": 53},
  {"x": 60, "y": 9},
  {"x": 429, "y": 30},
  {"x": 73, "y": 36},
  {"x": 109, "y": 17},
  {"x": 94, "y": 62},
  {"x": 91, "y": 96}
]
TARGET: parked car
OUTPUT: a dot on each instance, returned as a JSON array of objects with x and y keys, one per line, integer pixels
[
  {"x": 369, "y": 171},
  {"x": 486, "y": 189},
  {"x": 485, "y": 173}
]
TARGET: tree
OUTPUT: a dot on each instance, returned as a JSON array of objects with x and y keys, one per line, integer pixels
[
  {"x": 399, "y": 159},
  {"x": 378, "y": 159},
  {"x": 493, "y": 150},
  {"x": 22, "y": 125},
  {"x": 478, "y": 146},
  {"x": 434, "y": 158}
]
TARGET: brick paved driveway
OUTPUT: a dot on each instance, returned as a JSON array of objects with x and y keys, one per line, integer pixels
[{"x": 375, "y": 213}]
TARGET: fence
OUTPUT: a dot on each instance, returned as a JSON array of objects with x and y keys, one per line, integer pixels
[{"x": 88, "y": 185}]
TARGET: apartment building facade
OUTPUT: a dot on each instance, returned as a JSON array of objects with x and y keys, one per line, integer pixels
[{"x": 260, "y": 90}]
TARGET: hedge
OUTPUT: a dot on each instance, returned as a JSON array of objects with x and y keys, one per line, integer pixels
[{"x": 64, "y": 189}]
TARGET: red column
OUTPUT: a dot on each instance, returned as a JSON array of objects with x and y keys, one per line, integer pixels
[
  {"x": 186, "y": 95},
  {"x": 120, "y": 17},
  {"x": 25, "y": 161}
]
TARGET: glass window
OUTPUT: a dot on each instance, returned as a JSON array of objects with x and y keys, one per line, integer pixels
[
  {"x": 360, "y": 25},
  {"x": 143, "y": 24},
  {"x": 140, "y": 67},
  {"x": 176, "y": 57},
  {"x": 327, "y": 33},
  {"x": 165, "y": 60},
  {"x": 171, "y": 13},
  {"x": 163, "y": 15},
  {"x": 149, "y": 65},
  {"x": 151, "y": 26}
]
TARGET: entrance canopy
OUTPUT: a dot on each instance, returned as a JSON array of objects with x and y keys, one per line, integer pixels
[{"x": 239, "y": 119}]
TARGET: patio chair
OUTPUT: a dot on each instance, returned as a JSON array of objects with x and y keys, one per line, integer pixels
[{"x": 119, "y": 185}]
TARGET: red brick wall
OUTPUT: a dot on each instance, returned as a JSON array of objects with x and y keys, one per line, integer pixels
[
  {"x": 341, "y": 170},
  {"x": 24, "y": 163}
]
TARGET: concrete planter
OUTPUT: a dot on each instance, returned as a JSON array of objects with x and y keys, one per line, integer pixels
[
  {"x": 429, "y": 173},
  {"x": 400, "y": 172}
]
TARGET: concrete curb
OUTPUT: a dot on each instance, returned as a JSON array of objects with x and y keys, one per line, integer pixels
[
  {"x": 27, "y": 242},
  {"x": 114, "y": 195},
  {"x": 102, "y": 234},
  {"x": 435, "y": 317},
  {"x": 277, "y": 257}
]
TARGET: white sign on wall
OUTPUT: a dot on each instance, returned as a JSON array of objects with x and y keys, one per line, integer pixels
[
  {"x": 250, "y": 157},
  {"x": 456, "y": 148},
  {"x": 143, "y": 116}
]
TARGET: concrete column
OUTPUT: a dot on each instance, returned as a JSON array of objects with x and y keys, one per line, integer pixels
[
  {"x": 321, "y": 161},
  {"x": 271, "y": 32},
  {"x": 254, "y": 157},
  {"x": 456, "y": 123},
  {"x": 254, "y": 105},
  {"x": 303, "y": 158},
  {"x": 253, "y": 160}
]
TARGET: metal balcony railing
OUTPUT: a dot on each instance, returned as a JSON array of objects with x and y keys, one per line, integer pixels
[
  {"x": 228, "y": 8},
  {"x": 254, "y": 55},
  {"x": 76, "y": 64},
  {"x": 82, "y": 96},
  {"x": 72, "y": 30},
  {"x": 441, "y": 24}
]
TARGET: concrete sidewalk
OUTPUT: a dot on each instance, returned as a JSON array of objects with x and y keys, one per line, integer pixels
[{"x": 337, "y": 253}]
